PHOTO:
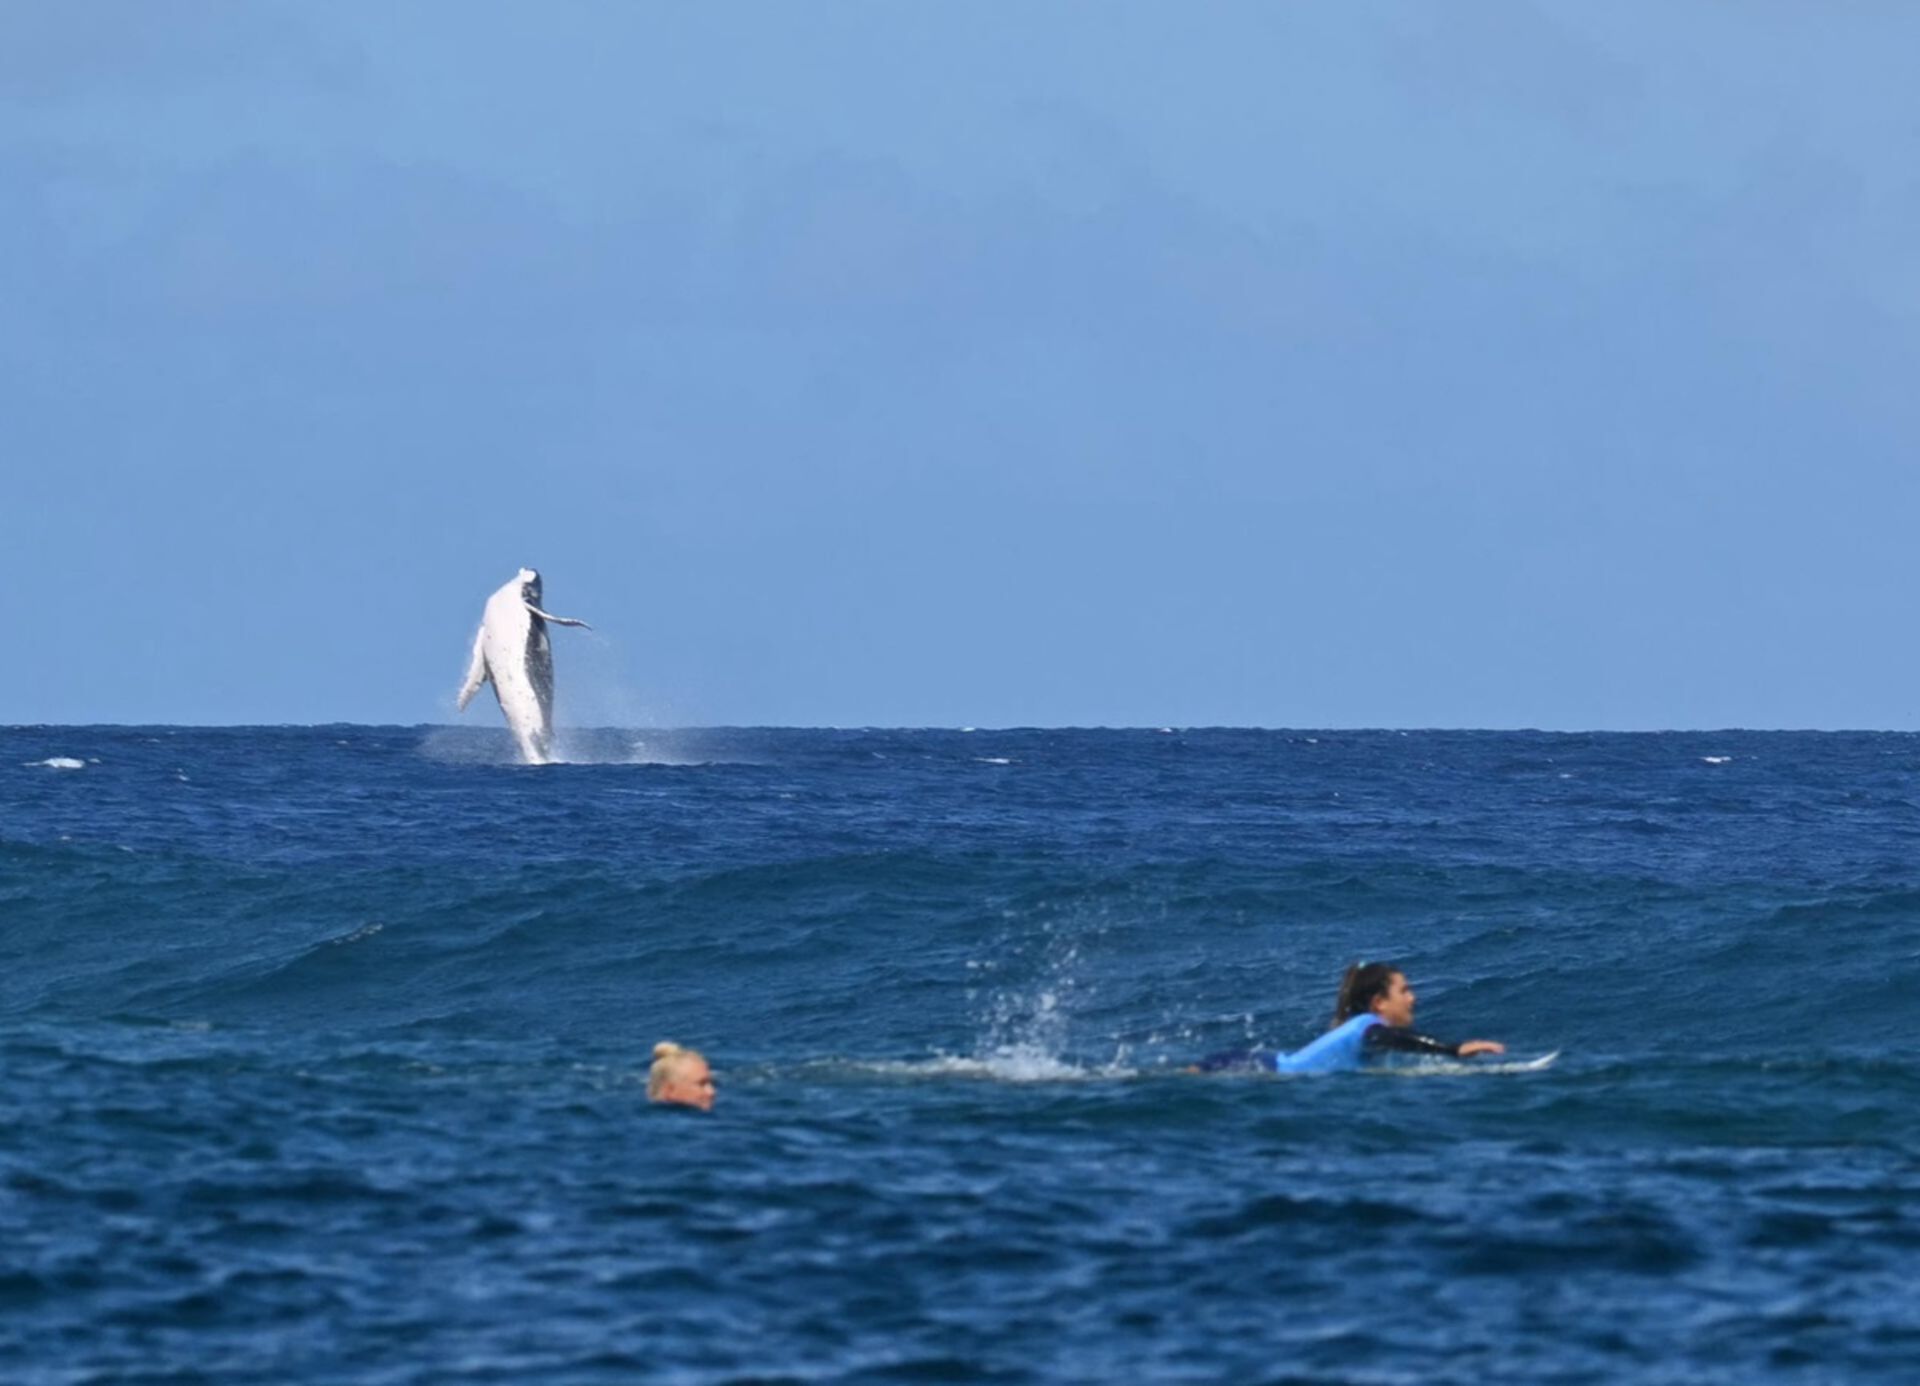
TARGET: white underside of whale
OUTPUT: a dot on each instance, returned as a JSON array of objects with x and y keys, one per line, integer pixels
[{"x": 512, "y": 651}]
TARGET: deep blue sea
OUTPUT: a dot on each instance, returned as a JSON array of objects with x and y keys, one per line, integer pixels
[{"x": 325, "y": 1048}]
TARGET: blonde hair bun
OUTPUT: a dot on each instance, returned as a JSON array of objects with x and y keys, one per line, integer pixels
[{"x": 665, "y": 1048}]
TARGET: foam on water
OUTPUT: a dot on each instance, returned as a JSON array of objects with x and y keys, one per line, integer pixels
[
  {"x": 1010, "y": 1065},
  {"x": 578, "y": 746},
  {"x": 1026, "y": 1064},
  {"x": 468, "y": 746},
  {"x": 620, "y": 746}
]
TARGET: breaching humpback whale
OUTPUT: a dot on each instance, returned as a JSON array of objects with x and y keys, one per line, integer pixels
[{"x": 513, "y": 651}]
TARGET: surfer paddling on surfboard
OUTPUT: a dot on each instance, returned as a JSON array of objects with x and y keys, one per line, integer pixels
[{"x": 1373, "y": 1017}]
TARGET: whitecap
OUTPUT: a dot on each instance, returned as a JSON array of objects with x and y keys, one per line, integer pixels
[
  {"x": 1716, "y": 760},
  {"x": 1015, "y": 1064},
  {"x": 58, "y": 763},
  {"x": 992, "y": 760}
]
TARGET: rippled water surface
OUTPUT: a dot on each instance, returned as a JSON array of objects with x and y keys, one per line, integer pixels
[{"x": 324, "y": 1057}]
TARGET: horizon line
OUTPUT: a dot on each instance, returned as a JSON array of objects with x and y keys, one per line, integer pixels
[{"x": 1166, "y": 729}]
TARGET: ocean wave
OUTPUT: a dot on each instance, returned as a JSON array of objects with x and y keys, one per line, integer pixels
[{"x": 972, "y": 952}]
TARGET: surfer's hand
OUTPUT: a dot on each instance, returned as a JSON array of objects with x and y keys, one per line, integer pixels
[{"x": 1472, "y": 1047}]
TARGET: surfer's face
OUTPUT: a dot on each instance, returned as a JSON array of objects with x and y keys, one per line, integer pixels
[{"x": 1395, "y": 1007}]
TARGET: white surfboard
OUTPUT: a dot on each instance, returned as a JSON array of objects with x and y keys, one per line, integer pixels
[
  {"x": 1450, "y": 1067},
  {"x": 1522, "y": 1065}
]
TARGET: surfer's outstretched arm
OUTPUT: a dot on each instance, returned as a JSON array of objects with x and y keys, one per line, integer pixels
[
  {"x": 1394, "y": 1039},
  {"x": 557, "y": 620},
  {"x": 476, "y": 669}
]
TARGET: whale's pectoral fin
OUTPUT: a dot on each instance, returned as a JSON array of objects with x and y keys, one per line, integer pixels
[
  {"x": 557, "y": 620},
  {"x": 477, "y": 670}
]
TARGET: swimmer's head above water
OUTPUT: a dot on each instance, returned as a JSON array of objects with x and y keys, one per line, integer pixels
[{"x": 680, "y": 1076}]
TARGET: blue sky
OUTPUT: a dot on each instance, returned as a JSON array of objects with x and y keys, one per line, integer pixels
[{"x": 1394, "y": 364}]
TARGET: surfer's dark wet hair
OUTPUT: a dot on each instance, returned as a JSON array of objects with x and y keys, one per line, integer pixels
[{"x": 1365, "y": 983}]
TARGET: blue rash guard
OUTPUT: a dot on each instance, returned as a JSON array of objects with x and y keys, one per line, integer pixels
[
  {"x": 1346, "y": 1046},
  {"x": 1342, "y": 1047}
]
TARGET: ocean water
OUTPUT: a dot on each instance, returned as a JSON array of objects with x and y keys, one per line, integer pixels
[{"x": 324, "y": 1057}]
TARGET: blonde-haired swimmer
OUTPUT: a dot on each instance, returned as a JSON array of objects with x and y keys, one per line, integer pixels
[{"x": 680, "y": 1076}]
